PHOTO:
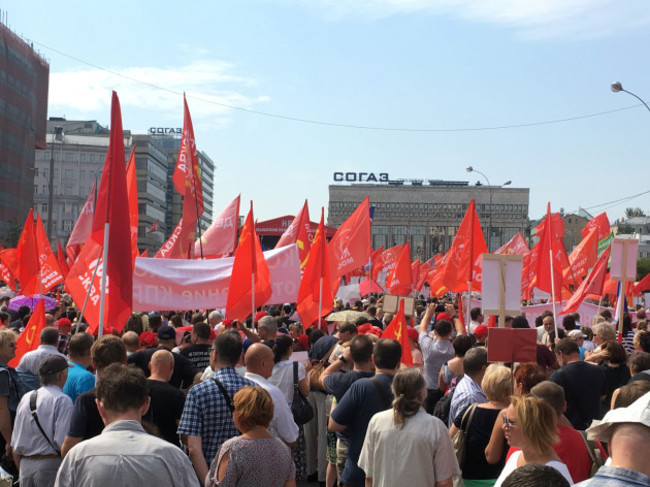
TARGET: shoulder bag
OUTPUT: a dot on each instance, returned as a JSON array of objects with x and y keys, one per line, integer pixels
[{"x": 300, "y": 407}]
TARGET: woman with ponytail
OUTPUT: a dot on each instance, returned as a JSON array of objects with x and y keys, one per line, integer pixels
[{"x": 405, "y": 445}]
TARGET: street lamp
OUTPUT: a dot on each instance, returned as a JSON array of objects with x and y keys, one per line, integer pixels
[
  {"x": 617, "y": 86},
  {"x": 490, "y": 187}
]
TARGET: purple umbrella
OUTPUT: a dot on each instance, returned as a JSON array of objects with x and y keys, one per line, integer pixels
[{"x": 22, "y": 300}]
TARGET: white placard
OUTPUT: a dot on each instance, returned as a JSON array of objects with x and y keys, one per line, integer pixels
[
  {"x": 492, "y": 285},
  {"x": 623, "y": 259}
]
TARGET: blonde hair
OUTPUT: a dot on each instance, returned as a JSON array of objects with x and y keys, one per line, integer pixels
[
  {"x": 7, "y": 337},
  {"x": 537, "y": 421},
  {"x": 407, "y": 385},
  {"x": 497, "y": 383},
  {"x": 605, "y": 331},
  {"x": 254, "y": 407}
]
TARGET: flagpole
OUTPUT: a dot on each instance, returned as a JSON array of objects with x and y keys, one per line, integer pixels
[
  {"x": 469, "y": 303},
  {"x": 553, "y": 292},
  {"x": 253, "y": 300},
  {"x": 320, "y": 301},
  {"x": 83, "y": 308},
  {"x": 102, "y": 299}
]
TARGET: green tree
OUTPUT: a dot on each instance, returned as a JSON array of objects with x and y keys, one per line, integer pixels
[
  {"x": 642, "y": 267},
  {"x": 632, "y": 212}
]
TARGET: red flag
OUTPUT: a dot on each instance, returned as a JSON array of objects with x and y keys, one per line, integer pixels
[
  {"x": 7, "y": 265},
  {"x": 593, "y": 284},
  {"x": 641, "y": 286},
  {"x": 386, "y": 261},
  {"x": 187, "y": 173},
  {"x": 112, "y": 216},
  {"x": 145, "y": 253},
  {"x": 350, "y": 245},
  {"x": 315, "y": 286},
  {"x": 72, "y": 252},
  {"x": 399, "y": 281},
  {"x": 132, "y": 191},
  {"x": 373, "y": 261},
  {"x": 397, "y": 331},
  {"x": 153, "y": 227},
  {"x": 27, "y": 263},
  {"x": 582, "y": 258},
  {"x": 461, "y": 313},
  {"x": 249, "y": 266},
  {"x": 220, "y": 239},
  {"x": 415, "y": 271},
  {"x": 187, "y": 181},
  {"x": 60, "y": 257},
  {"x": 50, "y": 272},
  {"x": 297, "y": 233},
  {"x": 462, "y": 265},
  {"x": 30, "y": 337},
  {"x": 515, "y": 246},
  {"x": 601, "y": 222},
  {"x": 549, "y": 250},
  {"x": 83, "y": 226}
]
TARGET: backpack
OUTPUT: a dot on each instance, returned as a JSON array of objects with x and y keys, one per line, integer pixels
[{"x": 443, "y": 407}]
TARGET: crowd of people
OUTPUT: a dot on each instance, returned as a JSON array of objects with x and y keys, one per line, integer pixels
[{"x": 191, "y": 398}]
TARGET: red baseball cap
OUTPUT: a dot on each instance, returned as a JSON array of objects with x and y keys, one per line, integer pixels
[
  {"x": 259, "y": 315},
  {"x": 481, "y": 331}
]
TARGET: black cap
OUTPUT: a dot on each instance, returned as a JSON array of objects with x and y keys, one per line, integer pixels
[
  {"x": 52, "y": 364},
  {"x": 166, "y": 333}
]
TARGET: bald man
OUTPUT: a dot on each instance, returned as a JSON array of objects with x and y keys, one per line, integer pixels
[
  {"x": 167, "y": 401},
  {"x": 259, "y": 366}
]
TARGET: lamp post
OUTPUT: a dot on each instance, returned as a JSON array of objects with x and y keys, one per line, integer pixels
[
  {"x": 58, "y": 135},
  {"x": 616, "y": 86},
  {"x": 490, "y": 188}
]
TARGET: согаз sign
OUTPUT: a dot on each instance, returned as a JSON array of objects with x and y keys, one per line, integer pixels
[
  {"x": 165, "y": 131},
  {"x": 361, "y": 177}
]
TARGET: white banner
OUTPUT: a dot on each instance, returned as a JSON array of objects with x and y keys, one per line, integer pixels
[{"x": 183, "y": 284}]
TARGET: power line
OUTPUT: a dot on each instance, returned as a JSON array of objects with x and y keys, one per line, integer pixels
[{"x": 334, "y": 124}]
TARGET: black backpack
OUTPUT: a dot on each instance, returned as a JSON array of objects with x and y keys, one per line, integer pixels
[{"x": 443, "y": 406}]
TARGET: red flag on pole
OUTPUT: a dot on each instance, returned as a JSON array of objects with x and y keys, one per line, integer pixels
[
  {"x": 250, "y": 281},
  {"x": 297, "y": 233},
  {"x": 60, "y": 257},
  {"x": 315, "y": 298},
  {"x": 400, "y": 279},
  {"x": 132, "y": 191},
  {"x": 350, "y": 245},
  {"x": 30, "y": 337},
  {"x": 220, "y": 239},
  {"x": 468, "y": 245},
  {"x": 187, "y": 181},
  {"x": 50, "y": 272},
  {"x": 109, "y": 245},
  {"x": 515, "y": 246},
  {"x": 27, "y": 262},
  {"x": 582, "y": 258},
  {"x": 593, "y": 284},
  {"x": 601, "y": 223},
  {"x": 7, "y": 265},
  {"x": 549, "y": 250},
  {"x": 397, "y": 331},
  {"x": 84, "y": 224},
  {"x": 386, "y": 261}
]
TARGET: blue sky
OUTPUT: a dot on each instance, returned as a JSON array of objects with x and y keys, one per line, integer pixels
[{"x": 445, "y": 66}]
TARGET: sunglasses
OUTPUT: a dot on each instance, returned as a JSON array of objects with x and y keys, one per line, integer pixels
[{"x": 508, "y": 422}]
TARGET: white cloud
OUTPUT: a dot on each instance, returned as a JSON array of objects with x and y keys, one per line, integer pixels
[
  {"x": 532, "y": 18},
  {"x": 211, "y": 87}
]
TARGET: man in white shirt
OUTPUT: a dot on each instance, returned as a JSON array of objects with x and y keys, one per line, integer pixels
[
  {"x": 36, "y": 443},
  {"x": 477, "y": 319},
  {"x": 259, "y": 366},
  {"x": 28, "y": 367}
]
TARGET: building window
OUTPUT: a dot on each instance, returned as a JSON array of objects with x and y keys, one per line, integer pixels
[
  {"x": 44, "y": 208},
  {"x": 35, "y": 189},
  {"x": 82, "y": 174},
  {"x": 67, "y": 225},
  {"x": 67, "y": 191},
  {"x": 67, "y": 173}
]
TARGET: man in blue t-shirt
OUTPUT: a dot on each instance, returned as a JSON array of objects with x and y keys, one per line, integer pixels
[
  {"x": 361, "y": 402},
  {"x": 79, "y": 359}
]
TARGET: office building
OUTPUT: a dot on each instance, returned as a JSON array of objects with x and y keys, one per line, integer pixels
[
  {"x": 427, "y": 213},
  {"x": 24, "y": 78}
]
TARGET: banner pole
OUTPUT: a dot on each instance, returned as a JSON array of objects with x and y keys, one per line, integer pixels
[
  {"x": 550, "y": 252},
  {"x": 102, "y": 299}
]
